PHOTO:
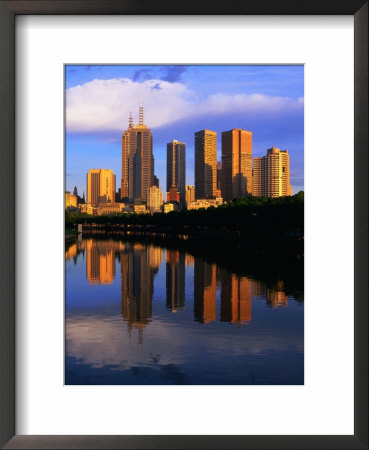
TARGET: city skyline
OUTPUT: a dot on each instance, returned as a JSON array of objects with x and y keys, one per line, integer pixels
[{"x": 251, "y": 97}]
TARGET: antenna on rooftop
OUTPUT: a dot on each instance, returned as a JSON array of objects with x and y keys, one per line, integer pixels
[
  {"x": 141, "y": 115},
  {"x": 130, "y": 121}
]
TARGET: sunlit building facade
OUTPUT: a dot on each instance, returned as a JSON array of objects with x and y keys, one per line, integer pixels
[
  {"x": 271, "y": 174},
  {"x": 137, "y": 160},
  {"x": 236, "y": 164},
  {"x": 100, "y": 186},
  {"x": 190, "y": 195},
  {"x": 70, "y": 200},
  {"x": 154, "y": 199},
  {"x": 205, "y": 164}
]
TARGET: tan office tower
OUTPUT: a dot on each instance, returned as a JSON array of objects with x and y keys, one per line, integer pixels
[
  {"x": 205, "y": 164},
  {"x": 154, "y": 200},
  {"x": 137, "y": 161},
  {"x": 190, "y": 195},
  {"x": 100, "y": 186},
  {"x": 271, "y": 174},
  {"x": 236, "y": 164},
  {"x": 176, "y": 167}
]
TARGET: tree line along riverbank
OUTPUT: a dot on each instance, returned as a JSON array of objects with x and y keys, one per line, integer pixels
[{"x": 243, "y": 218}]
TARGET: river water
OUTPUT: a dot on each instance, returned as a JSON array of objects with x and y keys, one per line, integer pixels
[{"x": 138, "y": 313}]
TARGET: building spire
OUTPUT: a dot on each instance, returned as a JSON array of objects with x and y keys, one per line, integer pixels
[
  {"x": 141, "y": 115},
  {"x": 130, "y": 121}
]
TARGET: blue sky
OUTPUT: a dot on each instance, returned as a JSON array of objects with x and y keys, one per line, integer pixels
[{"x": 178, "y": 101}]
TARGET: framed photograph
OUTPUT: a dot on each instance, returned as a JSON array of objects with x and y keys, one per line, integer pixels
[{"x": 187, "y": 228}]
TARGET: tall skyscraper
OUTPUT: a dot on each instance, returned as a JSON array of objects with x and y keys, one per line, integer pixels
[
  {"x": 205, "y": 164},
  {"x": 271, "y": 174},
  {"x": 137, "y": 160},
  {"x": 100, "y": 186},
  {"x": 176, "y": 167},
  {"x": 236, "y": 164}
]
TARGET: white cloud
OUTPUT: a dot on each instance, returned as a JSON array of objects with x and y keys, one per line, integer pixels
[{"x": 101, "y": 105}]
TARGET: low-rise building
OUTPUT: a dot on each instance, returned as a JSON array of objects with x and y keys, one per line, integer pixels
[
  {"x": 109, "y": 208},
  {"x": 154, "y": 199},
  {"x": 140, "y": 209},
  {"x": 205, "y": 203},
  {"x": 70, "y": 200},
  {"x": 87, "y": 208},
  {"x": 170, "y": 206}
]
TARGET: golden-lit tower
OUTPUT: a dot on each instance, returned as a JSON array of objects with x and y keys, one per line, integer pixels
[
  {"x": 137, "y": 160},
  {"x": 236, "y": 164},
  {"x": 100, "y": 186},
  {"x": 205, "y": 164},
  {"x": 271, "y": 174}
]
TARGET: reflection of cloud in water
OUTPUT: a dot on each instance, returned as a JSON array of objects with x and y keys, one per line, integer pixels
[{"x": 100, "y": 342}]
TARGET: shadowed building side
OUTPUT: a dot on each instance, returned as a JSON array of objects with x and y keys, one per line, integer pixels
[
  {"x": 205, "y": 164},
  {"x": 176, "y": 167}
]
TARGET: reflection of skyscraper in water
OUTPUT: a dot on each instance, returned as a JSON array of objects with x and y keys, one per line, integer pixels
[
  {"x": 137, "y": 284},
  {"x": 235, "y": 296},
  {"x": 189, "y": 260},
  {"x": 274, "y": 296},
  {"x": 100, "y": 262},
  {"x": 175, "y": 280},
  {"x": 204, "y": 291}
]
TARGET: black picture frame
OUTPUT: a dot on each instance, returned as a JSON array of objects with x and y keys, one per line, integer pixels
[{"x": 8, "y": 12}]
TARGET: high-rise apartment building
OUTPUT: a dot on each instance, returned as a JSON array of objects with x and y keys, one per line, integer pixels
[
  {"x": 190, "y": 195},
  {"x": 137, "y": 160},
  {"x": 100, "y": 186},
  {"x": 271, "y": 174},
  {"x": 205, "y": 164},
  {"x": 236, "y": 164},
  {"x": 176, "y": 167},
  {"x": 154, "y": 199}
]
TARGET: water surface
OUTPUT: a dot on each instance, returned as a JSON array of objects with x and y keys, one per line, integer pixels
[{"x": 137, "y": 313}]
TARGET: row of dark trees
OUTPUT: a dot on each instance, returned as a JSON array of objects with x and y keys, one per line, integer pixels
[{"x": 253, "y": 217}]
